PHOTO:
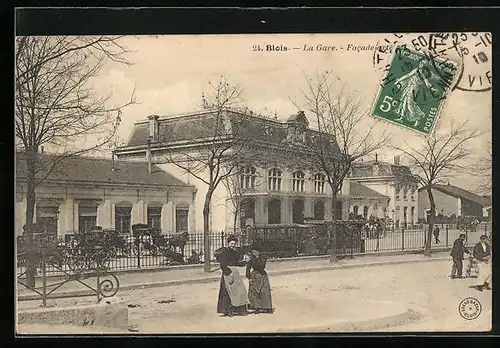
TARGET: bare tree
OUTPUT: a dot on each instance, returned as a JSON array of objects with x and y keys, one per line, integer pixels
[
  {"x": 483, "y": 169},
  {"x": 440, "y": 155},
  {"x": 237, "y": 187},
  {"x": 55, "y": 106},
  {"x": 222, "y": 151},
  {"x": 346, "y": 132}
]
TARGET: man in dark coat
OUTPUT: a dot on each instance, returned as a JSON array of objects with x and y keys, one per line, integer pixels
[
  {"x": 436, "y": 234},
  {"x": 482, "y": 253},
  {"x": 457, "y": 253}
]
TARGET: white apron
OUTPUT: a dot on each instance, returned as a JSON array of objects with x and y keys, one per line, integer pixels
[
  {"x": 484, "y": 272},
  {"x": 236, "y": 288}
]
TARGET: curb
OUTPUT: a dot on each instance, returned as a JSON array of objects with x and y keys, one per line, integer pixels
[
  {"x": 107, "y": 315},
  {"x": 211, "y": 279},
  {"x": 395, "y": 320}
]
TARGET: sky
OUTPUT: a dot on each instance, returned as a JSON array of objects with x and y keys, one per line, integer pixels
[{"x": 169, "y": 74}]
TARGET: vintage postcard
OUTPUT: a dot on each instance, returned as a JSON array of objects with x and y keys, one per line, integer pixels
[{"x": 253, "y": 183}]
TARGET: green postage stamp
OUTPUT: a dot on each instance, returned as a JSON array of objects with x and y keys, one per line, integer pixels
[{"x": 413, "y": 92}]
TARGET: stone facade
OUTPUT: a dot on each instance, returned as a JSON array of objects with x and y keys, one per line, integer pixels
[
  {"x": 276, "y": 183},
  {"x": 94, "y": 192}
]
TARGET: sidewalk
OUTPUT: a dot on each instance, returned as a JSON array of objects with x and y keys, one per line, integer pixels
[{"x": 195, "y": 275}]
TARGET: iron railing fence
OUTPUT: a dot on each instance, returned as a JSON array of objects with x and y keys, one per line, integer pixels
[
  {"x": 85, "y": 265},
  {"x": 152, "y": 250}
]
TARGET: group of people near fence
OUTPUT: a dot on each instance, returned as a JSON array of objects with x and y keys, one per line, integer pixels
[
  {"x": 480, "y": 261},
  {"x": 234, "y": 299}
]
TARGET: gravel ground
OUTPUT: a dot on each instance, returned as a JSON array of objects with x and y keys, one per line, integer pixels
[{"x": 316, "y": 302}]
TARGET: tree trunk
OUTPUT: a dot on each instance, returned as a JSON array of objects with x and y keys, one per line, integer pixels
[
  {"x": 31, "y": 160},
  {"x": 432, "y": 214},
  {"x": 333, "y": 231},
  {"x": 235, "y": 220},
  {"x": 206, "y": 229}
]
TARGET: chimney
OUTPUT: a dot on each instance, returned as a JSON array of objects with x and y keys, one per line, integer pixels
[
  {"x": 301, "y": 113},
  {"x": 396, "y": 160},
  {"x": 153, "y": 127}
]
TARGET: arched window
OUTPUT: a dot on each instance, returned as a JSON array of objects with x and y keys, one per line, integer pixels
[
  {"x": 274, "y": 180},
  {"x": 298, "y": 181},
  {"x": 247, "y": 212},
  {"x": 319, "y": 210},
  {"x": 365, "y": 212},
  {"x": 412, "y": 212},
  {"x": 319, "y": 183},
  {"x": 274, "y": 211},
  {"x": 355, "y": 210},
  {"x": 123, "y": 216},
  {"x": 247, "y": 177}
]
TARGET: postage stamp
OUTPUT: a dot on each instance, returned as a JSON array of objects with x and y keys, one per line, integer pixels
[
  {"x": 414, "y": 90},
  {"x": 471, "y": 49}
]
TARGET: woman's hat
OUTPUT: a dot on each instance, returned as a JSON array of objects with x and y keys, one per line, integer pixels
[{"x": 231, "y": 238}]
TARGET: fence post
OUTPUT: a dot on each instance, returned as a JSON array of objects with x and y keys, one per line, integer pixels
[
  {"x": 44, "y": 280},
  {"x": 425, "y": 237},
  {"x": 222, "y": 238},
  {"x": 402, "y": 239},
  {"x": 352, "y": 241},
  {"x": 98, "y": 285},
  {"x": 447, "y": 235},
  {"x": 138, "y": 239}
]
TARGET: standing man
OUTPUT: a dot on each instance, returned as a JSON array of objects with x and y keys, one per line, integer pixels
[
  {"x": 436, "y": 234},
  {"x": 457, "y": 253},
  {"x": 482, "y": 253}
]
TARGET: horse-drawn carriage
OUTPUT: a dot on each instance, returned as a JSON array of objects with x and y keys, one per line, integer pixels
[{"x": 150, "y": 241}]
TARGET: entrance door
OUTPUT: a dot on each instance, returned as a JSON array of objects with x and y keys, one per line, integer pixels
[{"x": 298, "y": 211}]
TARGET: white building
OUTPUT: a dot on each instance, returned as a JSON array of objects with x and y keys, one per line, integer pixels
[
  {"x": 452, "y": 200},
  {"x": 83, "y": 192},
  {"x": 277, "y": 183},
  {"x": 393, "y": 181}
]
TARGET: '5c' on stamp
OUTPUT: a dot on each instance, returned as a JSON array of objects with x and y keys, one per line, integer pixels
[{"x": 413, "y": 92}]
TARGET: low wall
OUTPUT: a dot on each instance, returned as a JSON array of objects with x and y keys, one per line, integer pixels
[{"x": 114, "y": 315}]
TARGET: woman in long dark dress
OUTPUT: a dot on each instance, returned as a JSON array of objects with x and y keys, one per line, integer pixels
[
  {"x": 259, "y": 288},
  {"x": 233, "y": 298}
]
